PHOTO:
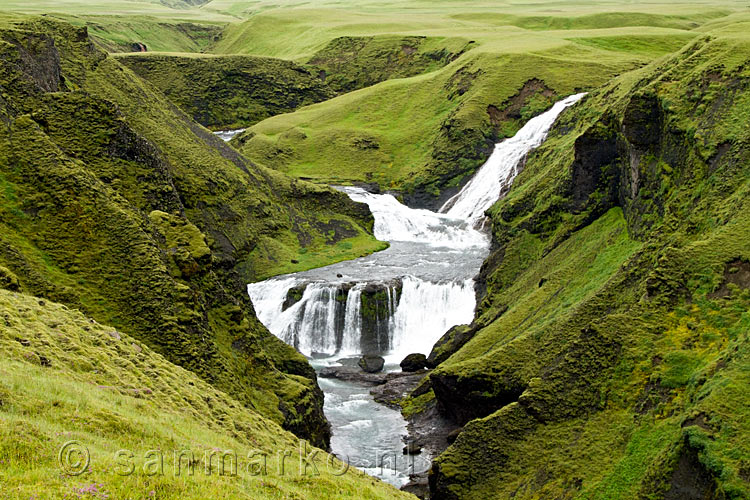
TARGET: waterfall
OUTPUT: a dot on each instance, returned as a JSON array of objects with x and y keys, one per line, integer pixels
[
  {"x": 350, "y": 341},
  {"x": 403, "y": 299},
  {"x": 496, "y": 175},
  {"x": 427, "y": 310}
]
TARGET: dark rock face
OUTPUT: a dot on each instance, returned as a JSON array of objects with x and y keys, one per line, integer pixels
[
  {"x": 449, "y": 343},
  {"x": 352, "y": 374},
  {"x": 690, "y": 480},
  {"x": 38, "y": 58},
  {"x": 418, "y": 486},
  {"x": 412, "y": 449},
  {"x": 378, "y": 303},
  {"x": 293, "y": 296},
  {"x": 595, "y": 170},
  {"x": 413, "y": 362},
  {"x": 464, "y": 399},
  {"x": 371, "y": 364},
  {"x": 396, "y": 387}
]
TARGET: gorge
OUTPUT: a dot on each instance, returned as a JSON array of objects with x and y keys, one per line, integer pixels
[
  {"x": 397, "y": 301},
  {"x": 335, "y": 231}
]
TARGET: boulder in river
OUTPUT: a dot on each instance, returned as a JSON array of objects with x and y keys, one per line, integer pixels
[
  {"x": 413, "y": 362},
  {"x": 371, "y": 364},
  {"x": 412, "y": 448}
]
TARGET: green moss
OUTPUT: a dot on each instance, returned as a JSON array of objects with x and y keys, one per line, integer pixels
[
  {"x": 120, "y": 205},
  {"x": 625, "y": 312},
  {"x": 351, "y": 63}
]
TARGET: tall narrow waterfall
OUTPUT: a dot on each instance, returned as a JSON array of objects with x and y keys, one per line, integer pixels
[
  {"x": 403, "y": 299},
  {"x": 498, "y": 172}
]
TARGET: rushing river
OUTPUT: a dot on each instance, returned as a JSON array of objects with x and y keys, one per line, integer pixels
[{"x": 421, "y": 286}]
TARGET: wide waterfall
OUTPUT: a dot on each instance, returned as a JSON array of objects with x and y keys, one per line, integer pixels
[{"x": 403, "y": 299}]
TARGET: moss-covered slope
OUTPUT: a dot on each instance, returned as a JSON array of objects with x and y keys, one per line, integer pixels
[
  {"x": 610, "y": 353},
  {"x": 232, "y": 91},
  {"x": 65, "y": 377},
  {"x": 350, "y": 63},
  {"x": 115, "y": 202}
]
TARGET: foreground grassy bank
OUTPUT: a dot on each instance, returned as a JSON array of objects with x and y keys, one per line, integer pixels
[{"x": 66, "y": 378}]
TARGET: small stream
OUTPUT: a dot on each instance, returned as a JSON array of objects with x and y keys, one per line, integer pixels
[{"x": 395, "y": 302}]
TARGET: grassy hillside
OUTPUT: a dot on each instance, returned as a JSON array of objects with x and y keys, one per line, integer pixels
[
  {"x": 66, "y": 378},
  {"x": 115, "y": 202},
  {"x": 425, "y": 135},
  {"x": 230, "y": 92},
  {"x": 146, "y": 33},
  {"x": 609, "y": 352}
]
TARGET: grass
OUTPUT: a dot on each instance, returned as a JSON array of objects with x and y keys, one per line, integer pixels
[
  {"x": 68, "y": 378},
  {"x": 229, "y": 92},
  {"x": 171, "y": 218},
  {"x": 422, "y": 136},
  {"x": 426, "y": 134}
]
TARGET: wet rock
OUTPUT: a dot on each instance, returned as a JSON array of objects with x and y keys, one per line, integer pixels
[
  {"x": 378, "y": 303},
  {"x": 371, "y": 364},
  {"x": 453, "y": 435},
  {"x": 462, "y": 399},
  {"x": 396, "y": 387},
  {"x": 418, "y": 485},
  {"x": 414, "y": 362},
  {"x": 412, "y": 448},
  {"x": 352, "y": 374}
]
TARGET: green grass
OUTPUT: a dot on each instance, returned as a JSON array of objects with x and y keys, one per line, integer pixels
[
  {"x": 65, "y": 377},
  {"x": 427, "y": 133},
  {"x": 229, "y": 92},
  {"x": 120, "y": 33}
]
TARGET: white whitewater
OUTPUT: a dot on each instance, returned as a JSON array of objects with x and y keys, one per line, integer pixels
[
  {"x": 427, "y": 273},
  {"x": 498, "y": 172},
  {"x": 425, "y": 281},
  {"x": 228, "y": 135},
  {"x": 396, "y": 222}
]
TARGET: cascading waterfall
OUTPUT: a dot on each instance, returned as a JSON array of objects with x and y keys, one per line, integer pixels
[
  {"x": 496, "y": 175},
  {"x": 350, "y": 339},
  {"x": 427, "y": 310},
  {"x": 403, "y": 299},
  {"x": 394, "y": 302}
]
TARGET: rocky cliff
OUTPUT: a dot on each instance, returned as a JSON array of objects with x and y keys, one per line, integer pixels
[
  {"x": 608, "y": 354},
  {"x": 115, "y": 202}
]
